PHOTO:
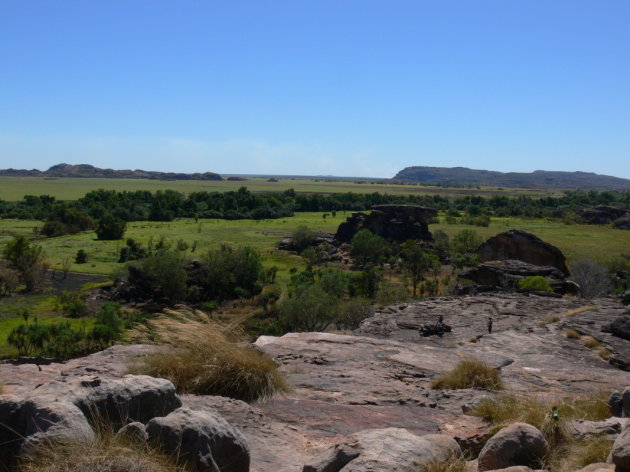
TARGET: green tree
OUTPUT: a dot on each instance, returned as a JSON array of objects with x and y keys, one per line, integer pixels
[
  {"x": 110, "y": 228},
  {"x": 466, "y": 242},
  {"x": 25, "y": 258},
  {"x": 416, "y": 261},
  {"x": 302, "y": 238},
  {"x": 309, "y": 309},
  {"x": 369, "y": 249}
]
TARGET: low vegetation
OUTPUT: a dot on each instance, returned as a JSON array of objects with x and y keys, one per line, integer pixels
[
  {"x": 105, "y": 453},
  {"x": 206, "y": 358},
  {"x": 471, "y": 373},
  {"x": 535, "y": 283},
  {"x": 504, "y": 410},
  {"x": 452, "y": 464}
]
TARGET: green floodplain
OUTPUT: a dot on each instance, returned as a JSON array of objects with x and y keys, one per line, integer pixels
[
  {"x": 598, "y": 242},
  {"x": 15, "y": 188}
]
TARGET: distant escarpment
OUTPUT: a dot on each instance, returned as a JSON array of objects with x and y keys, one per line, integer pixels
[
  {"x": 458, "y": 176},
  {"x": 86, "y": 170}
]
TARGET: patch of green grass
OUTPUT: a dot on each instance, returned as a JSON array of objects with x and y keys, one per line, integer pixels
[{"x": 469, "y": 374}]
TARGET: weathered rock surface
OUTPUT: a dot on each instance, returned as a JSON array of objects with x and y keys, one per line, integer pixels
[
  {"x": 583, "y": 429},
  {"x": 517, "y": 444},
  {"x": 621, "y": 451},
  {"x": 505, "y": 275},
  {"x": 385, "y": 450},
  {"x": 201, "y": 439},
  {"x": 621, "y": 326},
  {"x": 615, "y": 403},
  {"x": 393, "y": 222},
  {"x": 134, "y": 431},
  {"x": 622, "y": 222},
  {"x": 522, "y": 246},
  {"x": 379, "y": 377}
]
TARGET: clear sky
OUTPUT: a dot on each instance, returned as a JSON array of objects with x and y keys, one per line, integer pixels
[{"x": 321, "y": 87}]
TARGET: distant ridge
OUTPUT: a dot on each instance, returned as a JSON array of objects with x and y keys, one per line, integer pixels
[
  {"x": 458, "y": 176},
  {"x": 86, "y": 170}
]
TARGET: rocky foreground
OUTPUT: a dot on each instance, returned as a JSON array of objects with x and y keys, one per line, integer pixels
[{"x": 379, "y": 376}]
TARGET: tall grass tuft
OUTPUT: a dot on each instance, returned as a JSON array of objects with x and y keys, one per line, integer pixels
[
  {"x": 105, "y": 453},
  {"x": 471, "y": 373},
  {"x": 206, "y": 358},
  {"x": 504, "y": 410}
]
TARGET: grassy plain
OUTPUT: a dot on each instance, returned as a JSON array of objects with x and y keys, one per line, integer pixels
[
  {"x": 598, "y": 242},
  {"x": 14, "y": 188}
]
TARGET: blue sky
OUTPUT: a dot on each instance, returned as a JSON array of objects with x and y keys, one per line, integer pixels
[{"x": 323, "y": 87}]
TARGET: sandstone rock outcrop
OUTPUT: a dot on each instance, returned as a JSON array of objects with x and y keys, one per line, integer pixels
[
  {"x": 385, "y": 450},
  {"x": 397, "y": 223},
  {"x": 622, "y": 222},
  {"x": 601, "y": 214},
  {"x": 517, "y": 444},
  {"x": 201, "y": 439},
  {"x": 505, "y": 275},
  {"x": 621, "y": 326},
  {"x": 523, "y": 246},
  {"x": 621, "y": 451}
]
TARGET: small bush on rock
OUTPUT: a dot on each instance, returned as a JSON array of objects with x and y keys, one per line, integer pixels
[
  {"x": 469, "y": 374},
  {"x": 206, "y": 359},
  {"x": 535, "y": 283}
]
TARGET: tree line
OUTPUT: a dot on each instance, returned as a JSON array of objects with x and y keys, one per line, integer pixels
[{"x": 85, "y": 213}]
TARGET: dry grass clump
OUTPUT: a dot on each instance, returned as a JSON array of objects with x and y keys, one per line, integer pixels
[
  {"x": 106, "y": 453},
  {"x": 507, "y": 409},
  {"x": 206, "y": 358},
  {"x": 590, "y": 342},
  {"x": 571, "y": 333},
  {"x": 577, "y": 311},
  {"x": 604, "y": 353},
  {"x": 579, "y": 454},
  {"x": 553, "y": 319},
  {"x": 471, "y": 373}
]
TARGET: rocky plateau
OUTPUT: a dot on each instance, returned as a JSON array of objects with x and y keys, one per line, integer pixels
[{"x": 378, "y": 377}]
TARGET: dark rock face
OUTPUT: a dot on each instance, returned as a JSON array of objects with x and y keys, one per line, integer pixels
[
  {"x": 201, "y": 439},
  {"x": 601, "y": 214},
  {"x": 397, "y": 223},
  {"x": 623, "y": 222},
  {"x": 505, "y": 275},
  {"x": 621, "y": 451},
  {"x": 522, "y": 246},
  {"x": 621, "y": 327}
]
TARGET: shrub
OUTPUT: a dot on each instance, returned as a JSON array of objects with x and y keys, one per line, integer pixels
[
  {"x": 81, "y": 257},
  {"x": 466, "y": 242},
  {"x": 535, "y": 283},
  {"x": 26, "y": 259},
  {"x": 352, "y": 312},
  {"x": 310, "y": 308},
  {"x": 592, "y": 278},
  {"x": 469, "y": 374},
  {"x": 9, "y": 281},
  {"x": 71, "y": 304},
  {"x": 302, "y": 238},
  {"x": 110, "y": 228},
  {"x": 368, "y": 249},
  {"x": 205, "y": 358}
]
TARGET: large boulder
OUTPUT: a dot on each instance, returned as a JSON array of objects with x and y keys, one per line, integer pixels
[
  {"x": 621, "y": 451},
  {"x": 202, "y": 439},
  {"x": 505, "y": 274},
  {"x": 131, "y": 398},
  {"x": 27, "y": 423},
  {"x": 625, "y": 403},
  {"x": 397, "y": 223},
  {"x": 517, "y": 444},
  {"x": 620, "y": 326},
  {"x": 385, "y": 450},
  {"x": 522, "y": 246}
]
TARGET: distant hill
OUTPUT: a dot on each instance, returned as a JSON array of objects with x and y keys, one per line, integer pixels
[
  {"x": 86, "y": 170},
  {"x": 459, "y": 176}
]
